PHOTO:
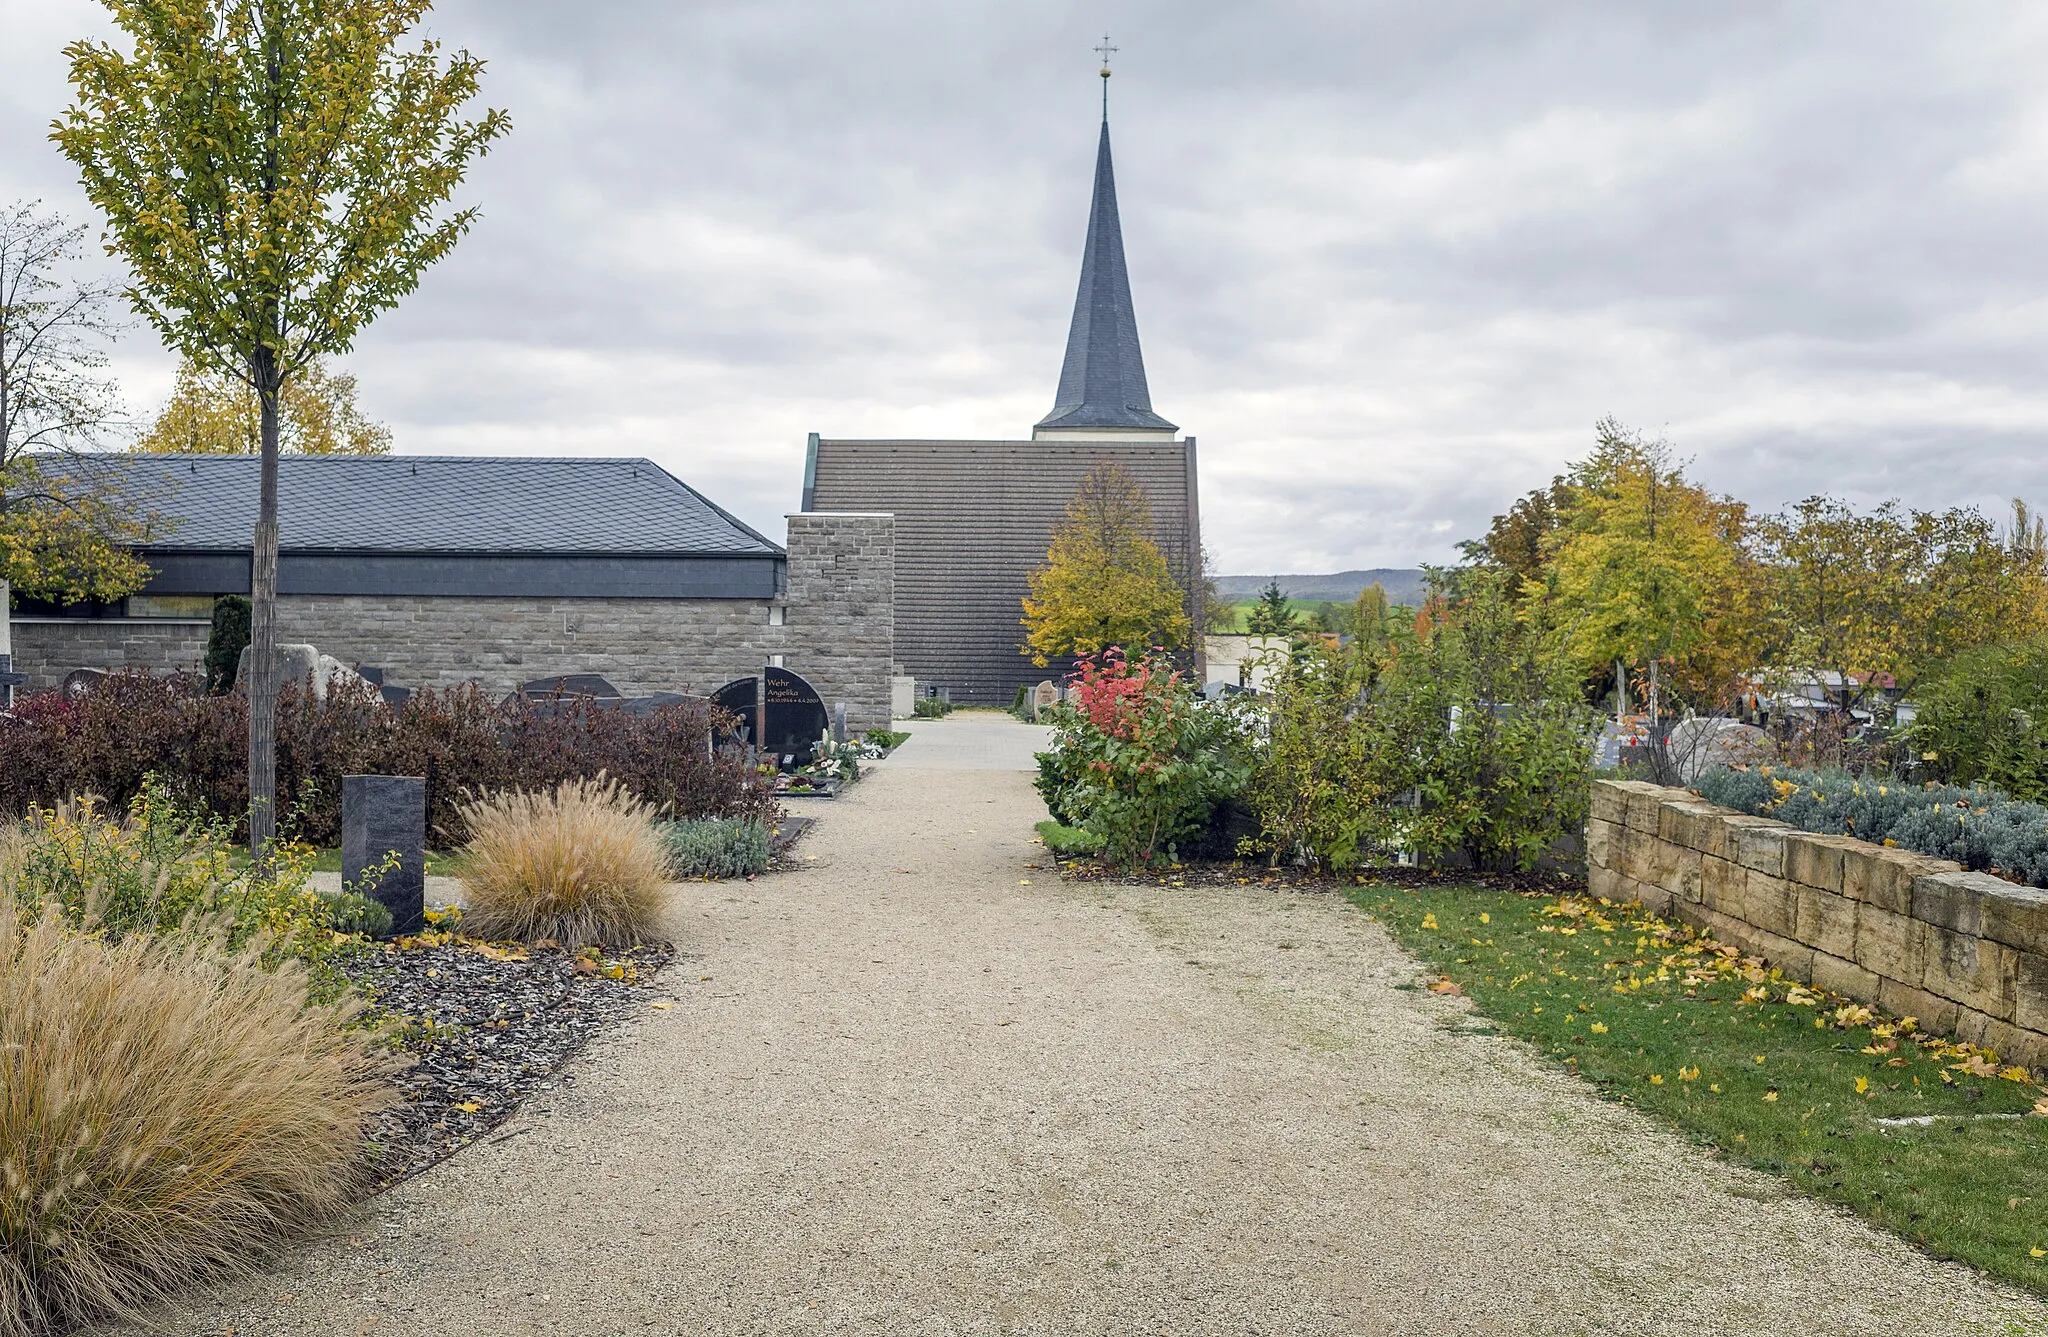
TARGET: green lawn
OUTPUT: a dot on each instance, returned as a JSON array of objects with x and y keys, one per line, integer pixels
[{"x": 1785, "y": 1079}]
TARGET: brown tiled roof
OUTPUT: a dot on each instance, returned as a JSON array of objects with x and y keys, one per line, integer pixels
[{"x": 973, "y": 520}]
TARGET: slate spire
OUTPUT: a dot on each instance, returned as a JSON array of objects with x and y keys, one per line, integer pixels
[{"x": 1102, "y": 382}]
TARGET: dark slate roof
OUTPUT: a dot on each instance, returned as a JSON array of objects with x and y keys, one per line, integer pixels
[
  {"x": 1102, "y": 382},
  {"x": 433, "y": 504}
]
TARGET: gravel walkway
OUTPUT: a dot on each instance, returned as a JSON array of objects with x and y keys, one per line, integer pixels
[{"x": 922, "y": 1087}]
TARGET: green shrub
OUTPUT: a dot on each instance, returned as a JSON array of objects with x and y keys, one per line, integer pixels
[
  {"x": 717, "y": 847},
  {"x": 931, "y": 708},
  {"x": 350, "y": 913},
  {"x": 1977, "y": 827},
  {"x": 579, "y": 864},
  {"x": 1139, "y": 759},
  {"x": 154, "y": 870},
  {"x": 886, "y": 739},
  {"x": 1020, "y": 704},
  {"x": 169, "y": 1111},
  {"x": 1068, "y": 842},
  {"x": 1465, "y": 743},
  {"x": 1984, "y": 719}
]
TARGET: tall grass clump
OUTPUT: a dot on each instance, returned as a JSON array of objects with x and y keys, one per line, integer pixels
[
  {"x": 580, "y": 863},
  {"x": 717, "y": 847},
  {"x": 170, "y": 1110}
]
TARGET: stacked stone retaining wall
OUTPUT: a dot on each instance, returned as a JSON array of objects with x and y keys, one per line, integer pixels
[{"x": 1965, "y": 953}]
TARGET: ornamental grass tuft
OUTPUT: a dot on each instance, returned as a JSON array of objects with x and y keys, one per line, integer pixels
[
  {"x": 582, "y": 864},
  {"x": 170, "y": 1111}
]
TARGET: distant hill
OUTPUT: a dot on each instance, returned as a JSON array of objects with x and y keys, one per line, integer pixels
[{"x": 1402, "y": 586}]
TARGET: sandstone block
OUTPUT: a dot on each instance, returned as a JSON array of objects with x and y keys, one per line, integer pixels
[
  {"x": 1816, "y": 860},
  {"x": 1824, "y": 921},
  {"x": 1767, "y": 903},
  {"x": 1762, "y": 848},
  {"x": 1610, "y": 802},
  {"x": 2030, "y": 991},
  {"x": 1954, "y": 900},
  {"x": 2014, "y": 1044},
  {"x": 1722, "y": 885},
  {"x": 2018, "y": 917},
  {"x": 1681, "y": 872},
  {"x": 1883, "y": 876},
  {"x": 1602, "y": 880},
  {"x": 1935, "y": 1015},
  {"x": 1974, "y": 972},
  {"x": 1844, "y": 977},
  {"x": 1603, "y": 841},
  {"x": 1893, "y": 946}
]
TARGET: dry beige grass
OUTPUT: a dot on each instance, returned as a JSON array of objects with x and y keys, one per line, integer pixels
[
  {"x": 581, "y": 864},
  {"x": 168, "y": 1111}
]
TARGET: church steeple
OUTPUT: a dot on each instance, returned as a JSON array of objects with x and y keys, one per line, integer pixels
[{"x": 1102, "y": 383}]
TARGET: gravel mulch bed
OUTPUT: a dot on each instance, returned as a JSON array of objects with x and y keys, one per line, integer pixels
[
  {"x": 487, "y": 1026},
  {"x": 1256, "y": 874}
]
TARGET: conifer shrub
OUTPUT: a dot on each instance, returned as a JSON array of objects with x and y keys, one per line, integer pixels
[
  {"x": 170, "y": 1110},
  {"x": 717, "y": 847},
  {"x": 580, "y": 863}
]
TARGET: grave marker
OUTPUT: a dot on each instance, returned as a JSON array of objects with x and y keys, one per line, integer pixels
[
  {"x": 792, "y": 715},
  {"x": 380, "y": 814}
]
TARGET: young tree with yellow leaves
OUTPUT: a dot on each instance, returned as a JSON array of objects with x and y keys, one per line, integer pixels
[
  {"x": 211, "y": 413},
  {"x": 1644, "y": 569},
  {"x": 1104, "y": 581},
  {"x": 274, "y": 173}
]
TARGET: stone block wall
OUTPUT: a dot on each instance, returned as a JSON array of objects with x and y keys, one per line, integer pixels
[
  {"x": 45, "y": 649},
  {"x": 641, "y": 645},
  {"x": 840, "y": 614},
  {"x": 1966, "y": 953}
]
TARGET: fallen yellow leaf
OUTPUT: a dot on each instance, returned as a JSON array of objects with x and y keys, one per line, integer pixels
[
  {"x": 1862, "y": 1086},
  {"x": 470, "y": 1107},
  {"x": 1598, "y": 1028},
  {"x": 661, "y": 1006},
  {"x": 1771, "y": 1096}
]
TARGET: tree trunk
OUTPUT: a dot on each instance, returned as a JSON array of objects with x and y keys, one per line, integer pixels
[
  {"x": 6, "y": 641},
  {"x": 263, "y": 623}
]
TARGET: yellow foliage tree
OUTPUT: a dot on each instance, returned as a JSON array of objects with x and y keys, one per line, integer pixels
[
  {"x": 1104, "y": 581},
  {"x": 1645, "y": 568},
  {"x": 214, "y": 413}
]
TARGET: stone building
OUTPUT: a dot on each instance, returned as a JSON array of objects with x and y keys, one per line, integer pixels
[
  {"x": 447, "y": 569},
  {"x": 974, "y": 518}
]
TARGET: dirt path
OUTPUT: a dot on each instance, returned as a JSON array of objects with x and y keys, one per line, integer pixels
[{"x": 922, "y": 1087}]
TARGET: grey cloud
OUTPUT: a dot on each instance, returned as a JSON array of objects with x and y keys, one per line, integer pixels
[{"x": 1391, "y": 261}]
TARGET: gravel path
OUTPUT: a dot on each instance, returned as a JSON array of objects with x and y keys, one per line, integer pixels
[{"x": 922, "y": 1087}]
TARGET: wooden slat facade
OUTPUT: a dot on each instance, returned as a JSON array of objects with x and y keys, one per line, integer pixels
[{"x": 973, "y": 520}]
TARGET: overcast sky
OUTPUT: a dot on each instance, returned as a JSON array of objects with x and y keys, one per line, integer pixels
[{"x": 1391, "y": 261}]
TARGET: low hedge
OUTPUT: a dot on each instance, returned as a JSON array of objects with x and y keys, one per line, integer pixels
[
  {"x": 1977, "y": 827},
  {"x": 459, "y": 738}
]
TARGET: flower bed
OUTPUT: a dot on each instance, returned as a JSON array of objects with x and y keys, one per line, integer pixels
[{"x": 1979, "y": 828}]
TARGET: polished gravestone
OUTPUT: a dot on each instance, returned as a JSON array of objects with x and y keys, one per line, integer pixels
[
  {"x": 381, "y": 814},
  {"x": 794, "y": 716},
  {"x": 741, "y": 699}
]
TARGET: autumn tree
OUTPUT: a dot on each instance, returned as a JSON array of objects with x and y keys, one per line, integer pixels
[
  {"x": 1104, "y": 581},
  {"x": 275, "y": 174},
  {"x": 213, "y": 413},
  {"x": 1644, "y": 568},
  {"x": 1851, "y": 598},
  {"x": 64, "y": 527}
]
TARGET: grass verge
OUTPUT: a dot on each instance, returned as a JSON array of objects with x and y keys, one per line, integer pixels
[{"x": 1788, "y": 1079}]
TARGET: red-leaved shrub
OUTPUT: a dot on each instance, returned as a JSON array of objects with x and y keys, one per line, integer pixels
[{"x": 460, "y": 739}]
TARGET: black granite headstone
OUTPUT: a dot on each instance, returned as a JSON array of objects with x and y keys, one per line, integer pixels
[
  {"x": 9, "y": 679},
  {"x": 740, "y": 697},
  {"x": 567, "y": 685},
  {"x": 380, "y": 814},
  {"x": 796, "y": 717}
]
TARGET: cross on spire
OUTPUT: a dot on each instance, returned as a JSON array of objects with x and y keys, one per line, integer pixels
[{"x": 1105, "y": 51}]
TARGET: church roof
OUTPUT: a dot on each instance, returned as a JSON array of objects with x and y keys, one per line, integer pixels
[{"x": 1102, "y": 382}]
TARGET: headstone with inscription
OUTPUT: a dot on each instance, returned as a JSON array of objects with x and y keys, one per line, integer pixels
[
  {"x": 794, "y": 716},
  {"x": 383, "y": 815},
  {"x": 741, "y": 699},
  {"x": 1047, "y": 693}
]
